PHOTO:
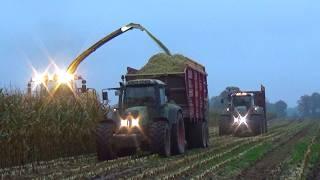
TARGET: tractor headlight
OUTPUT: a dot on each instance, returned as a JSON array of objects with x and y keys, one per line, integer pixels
[
  {"x": 129, "y": 122},
  {"x": 242, "y": 119},
  {"x": 124, "y": 123},
  {"x": 135, "y": 122},
  {"x": 227, "y": 109},
  {"x": 235, "y": 120}
]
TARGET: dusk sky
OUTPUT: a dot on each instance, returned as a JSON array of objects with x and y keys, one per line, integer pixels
[{"x": 242, "y": 43}]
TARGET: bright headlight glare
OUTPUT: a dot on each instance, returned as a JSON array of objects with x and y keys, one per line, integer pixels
[
  {"x": 235, "y": 119},
  {"x": 243, "y": 120},
  {"x": 64, "y": 77},
  {"x": 39, "y": 79},
  {"x": 135, "y": 122},
  {"x": 123, "y": 123}
]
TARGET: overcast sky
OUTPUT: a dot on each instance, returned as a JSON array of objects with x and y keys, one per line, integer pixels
[{"x": 242, "y": 43}]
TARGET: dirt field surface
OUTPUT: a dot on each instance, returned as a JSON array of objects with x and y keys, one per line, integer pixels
[
  {"x": 289, "y": 150},
  {"x": 266, "y": 167}
]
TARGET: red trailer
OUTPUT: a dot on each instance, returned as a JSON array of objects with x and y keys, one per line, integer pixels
[{"x": 189, "y": 90}]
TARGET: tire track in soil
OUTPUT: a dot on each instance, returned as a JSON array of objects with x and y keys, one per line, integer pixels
[
  {"x": 263, "y": 168},
  {"x": 315, "y": 174},
  {"x": 138, "y": 167},
  {"x": 70, "y": 165}
]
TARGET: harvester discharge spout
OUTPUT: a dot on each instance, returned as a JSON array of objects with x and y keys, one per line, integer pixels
[{"x": 76, "y": 62}]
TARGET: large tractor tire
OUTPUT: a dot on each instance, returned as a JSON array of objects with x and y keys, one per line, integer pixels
[
  {"x": 178, "y": 136},
  {"x": 199, "y": 135},
  {"x": 160, "y": 138},
  {"x": 258, "y": 125},
  {"x": 224, "y": 126},
  {"x": 265, "y": 125},
  {"x": 104, "y": 133}
]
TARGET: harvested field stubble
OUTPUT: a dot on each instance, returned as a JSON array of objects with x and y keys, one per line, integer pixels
[{"x": 196, "y": 163}]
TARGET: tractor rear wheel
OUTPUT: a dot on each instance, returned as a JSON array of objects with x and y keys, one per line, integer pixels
[
  {"x": 178, "y": 136},
  {"x": 160, "y": 138},
  {"x": 199, "y": 135},
  {"x": 104, "y": 133}
]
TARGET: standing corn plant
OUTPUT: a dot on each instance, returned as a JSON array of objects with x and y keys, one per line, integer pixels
[{"x": 39, "y": 127}]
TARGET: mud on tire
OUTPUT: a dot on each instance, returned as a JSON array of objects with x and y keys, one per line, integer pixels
[
  {"x": 178, "y": 136},
  {"x": 104, "y": 133},
  {"x": 199, "y": 135},
  {"x": 160, "y": 138},
  {"x": 258, "y": 126},
  {"x": 224, "y": 125}
]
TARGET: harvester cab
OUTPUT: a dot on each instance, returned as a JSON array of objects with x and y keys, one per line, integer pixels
[
  {"x": 245, "y": 114},
  {"x": 142, "y": 119}
]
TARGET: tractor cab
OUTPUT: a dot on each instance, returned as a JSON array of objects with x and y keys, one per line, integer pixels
[
  {"x": 141, "y": 101},
  {"x": 242, "y": 99},
  {"x": 145, "y": 92},
  {"x": 242, "y": 102},
  {"x": 245, "y": 113},
  {"x": 142, "y": 115}
]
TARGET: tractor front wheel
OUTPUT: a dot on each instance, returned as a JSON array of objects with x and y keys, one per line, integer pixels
[
  {"x": 160, "y": 138},
  {"x": 104, "y": 133},
  {"x": 224, "y": 125}
]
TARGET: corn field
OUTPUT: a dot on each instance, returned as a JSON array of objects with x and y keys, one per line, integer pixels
[
  {"x": 41, "y": 127},
  {"x": 227, "y": 157},
  {"x": 52, "y": 138}
]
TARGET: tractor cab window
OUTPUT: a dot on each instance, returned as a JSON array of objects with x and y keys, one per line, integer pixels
[
  {"x": 163, "y": 98},
  {"x": 140, "y": 96},
  {"x": 242, "y": 101}
]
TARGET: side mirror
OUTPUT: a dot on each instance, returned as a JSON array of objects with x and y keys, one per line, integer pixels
[
  {"x": 117, "y": 93},
  {"x": 105, "y": 96}
]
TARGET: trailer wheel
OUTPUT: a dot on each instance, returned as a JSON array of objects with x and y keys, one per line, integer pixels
[
  {"x": 160, "y": 138},
  {"x": 207, "y": 134},
  {"x": 178, "y": 136},
  {"x": 104, "y": 133}
]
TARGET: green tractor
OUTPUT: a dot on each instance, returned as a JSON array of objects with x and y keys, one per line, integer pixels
[
  {"x": 143, "y": 119},
  {"x": 245, "y": 114}
]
